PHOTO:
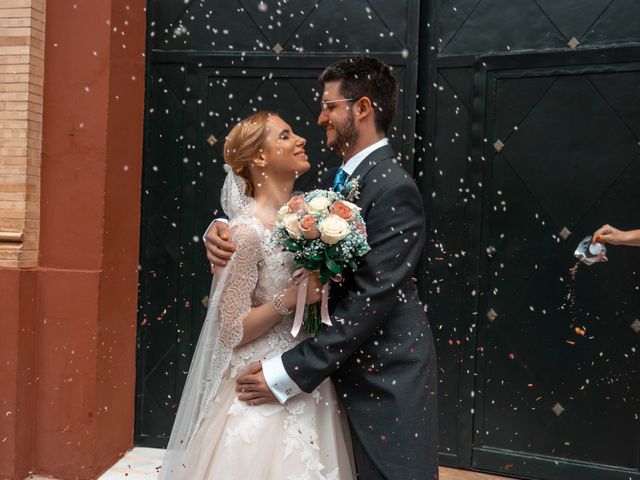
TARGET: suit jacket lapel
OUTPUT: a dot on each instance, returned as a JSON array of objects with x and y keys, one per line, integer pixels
[
  {"x": 365, "y": 166},
  {"x": 371, "y": 161}
]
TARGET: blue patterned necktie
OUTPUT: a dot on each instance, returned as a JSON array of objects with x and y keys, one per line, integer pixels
[{"x": 338, "y": 181}]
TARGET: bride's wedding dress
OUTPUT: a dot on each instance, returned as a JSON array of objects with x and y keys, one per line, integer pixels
[{"x": 218, "y": 437}]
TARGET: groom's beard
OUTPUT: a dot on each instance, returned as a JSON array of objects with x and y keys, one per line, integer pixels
[{"x": 346, "y": 137}]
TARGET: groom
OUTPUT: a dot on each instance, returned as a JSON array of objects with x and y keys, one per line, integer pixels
[{"x": 379, "y": 352}]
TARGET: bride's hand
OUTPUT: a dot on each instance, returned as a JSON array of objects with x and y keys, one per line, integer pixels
[{"x": 314, "y": 288}]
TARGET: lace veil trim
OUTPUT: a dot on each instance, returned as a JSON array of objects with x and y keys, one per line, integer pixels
[{"x": 220, "y": 332}]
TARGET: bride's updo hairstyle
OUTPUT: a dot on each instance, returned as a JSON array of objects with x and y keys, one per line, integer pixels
[{"x": 244, "y": 143}]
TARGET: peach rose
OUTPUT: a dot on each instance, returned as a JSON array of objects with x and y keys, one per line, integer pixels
[
  {"x": 296, "y": 204},
  {"x": 309, "y": 228},
  {"x": 352, "y": 206},
  {"x": 340, "y": 209}
]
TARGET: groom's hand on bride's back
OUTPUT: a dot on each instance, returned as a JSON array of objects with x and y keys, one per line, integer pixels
[{"x": 219, "y": 248}]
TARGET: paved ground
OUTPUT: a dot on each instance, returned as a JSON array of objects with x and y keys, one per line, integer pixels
[
  {"x": 143, "y": 463},
  {"x": 451, "y": 474}
]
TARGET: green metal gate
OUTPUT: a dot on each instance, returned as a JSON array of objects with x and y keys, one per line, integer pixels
[
  {"x": 520, "y": 121},
  {"x": 532, "y": 114},
  {"x": 210, "y": 63}
]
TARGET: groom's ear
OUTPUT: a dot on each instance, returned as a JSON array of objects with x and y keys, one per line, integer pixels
[{"x": 363, "y": 108}]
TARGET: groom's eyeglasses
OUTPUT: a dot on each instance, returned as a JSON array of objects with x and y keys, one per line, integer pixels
[{"x": 325, "y": 105}]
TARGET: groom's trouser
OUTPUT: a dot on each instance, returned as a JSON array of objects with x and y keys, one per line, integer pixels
[{"x": 364, "y": 466}]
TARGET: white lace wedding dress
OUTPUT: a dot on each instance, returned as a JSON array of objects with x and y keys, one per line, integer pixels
[{"x": 305, "y": 439}]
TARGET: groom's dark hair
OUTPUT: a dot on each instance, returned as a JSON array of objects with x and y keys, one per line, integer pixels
[{"x": 366, "y": 77}]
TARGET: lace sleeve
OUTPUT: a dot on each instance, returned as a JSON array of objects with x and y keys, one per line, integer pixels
[{"x": 235, "y": 299}]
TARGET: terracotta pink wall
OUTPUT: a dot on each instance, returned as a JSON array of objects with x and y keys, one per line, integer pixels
[
  {"x": 68, "y": 359},
  {"x": 17, "y": 370}
]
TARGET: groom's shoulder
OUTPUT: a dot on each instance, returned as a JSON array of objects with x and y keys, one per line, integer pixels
[{"x": 390, "y": 172}]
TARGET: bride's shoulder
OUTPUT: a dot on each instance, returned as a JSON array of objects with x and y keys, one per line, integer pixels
[{"x": 246, "y": 231}]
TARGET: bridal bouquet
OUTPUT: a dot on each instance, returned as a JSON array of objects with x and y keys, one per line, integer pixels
[{"x": 326, "y": 232}]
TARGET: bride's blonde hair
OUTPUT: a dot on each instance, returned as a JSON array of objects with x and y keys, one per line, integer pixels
[{"x": 244, "y": 143}]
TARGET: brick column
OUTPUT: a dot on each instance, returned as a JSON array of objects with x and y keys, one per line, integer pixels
[{"x": 21, "y": 78}]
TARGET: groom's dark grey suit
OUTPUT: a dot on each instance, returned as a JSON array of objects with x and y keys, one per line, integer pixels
[{"x": 380, "y": 351}]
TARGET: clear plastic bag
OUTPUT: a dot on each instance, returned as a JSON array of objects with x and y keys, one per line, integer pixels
[{"x": 590, "y": 253}]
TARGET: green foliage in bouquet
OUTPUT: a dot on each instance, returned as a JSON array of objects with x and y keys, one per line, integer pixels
[{"x": 326, "y": 233}]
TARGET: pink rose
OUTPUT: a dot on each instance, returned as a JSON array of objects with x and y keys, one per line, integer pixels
[
  {"x": 296, "y": 204},
  {"x": 340, "y": 209},
  {"x": 309, "y": 227},
  {"x": 361, "y": 228}
]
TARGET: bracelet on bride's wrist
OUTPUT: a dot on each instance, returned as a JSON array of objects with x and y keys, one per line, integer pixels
[{"x": 278, "y": 303}]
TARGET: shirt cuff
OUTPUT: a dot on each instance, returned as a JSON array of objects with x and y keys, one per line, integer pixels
[
  {"x": 278, "y": 381},
  {"x": 222, "y": 219}
]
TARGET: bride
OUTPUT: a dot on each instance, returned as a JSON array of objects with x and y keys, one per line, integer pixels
[{"x": 215, "y": 436}]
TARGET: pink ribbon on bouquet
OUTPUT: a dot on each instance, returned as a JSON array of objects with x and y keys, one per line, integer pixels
[{"x": 302, "y": 295}]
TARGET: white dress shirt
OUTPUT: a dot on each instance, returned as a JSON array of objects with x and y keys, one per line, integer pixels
[
  {"x": 350, "y": 165},
  {"x": 279, "y": 382}
]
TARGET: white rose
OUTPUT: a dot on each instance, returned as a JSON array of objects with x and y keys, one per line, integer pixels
[
  {"x": 333, "y": 229},
  {"x": 284, "y": 210},
  {"x": 352, "y": 206},
  {"x": 318, "y": 204},
  {"x": 290, "y": 222}
]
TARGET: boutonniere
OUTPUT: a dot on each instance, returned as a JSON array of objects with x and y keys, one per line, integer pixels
[{"x": 351, "y": 190}]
